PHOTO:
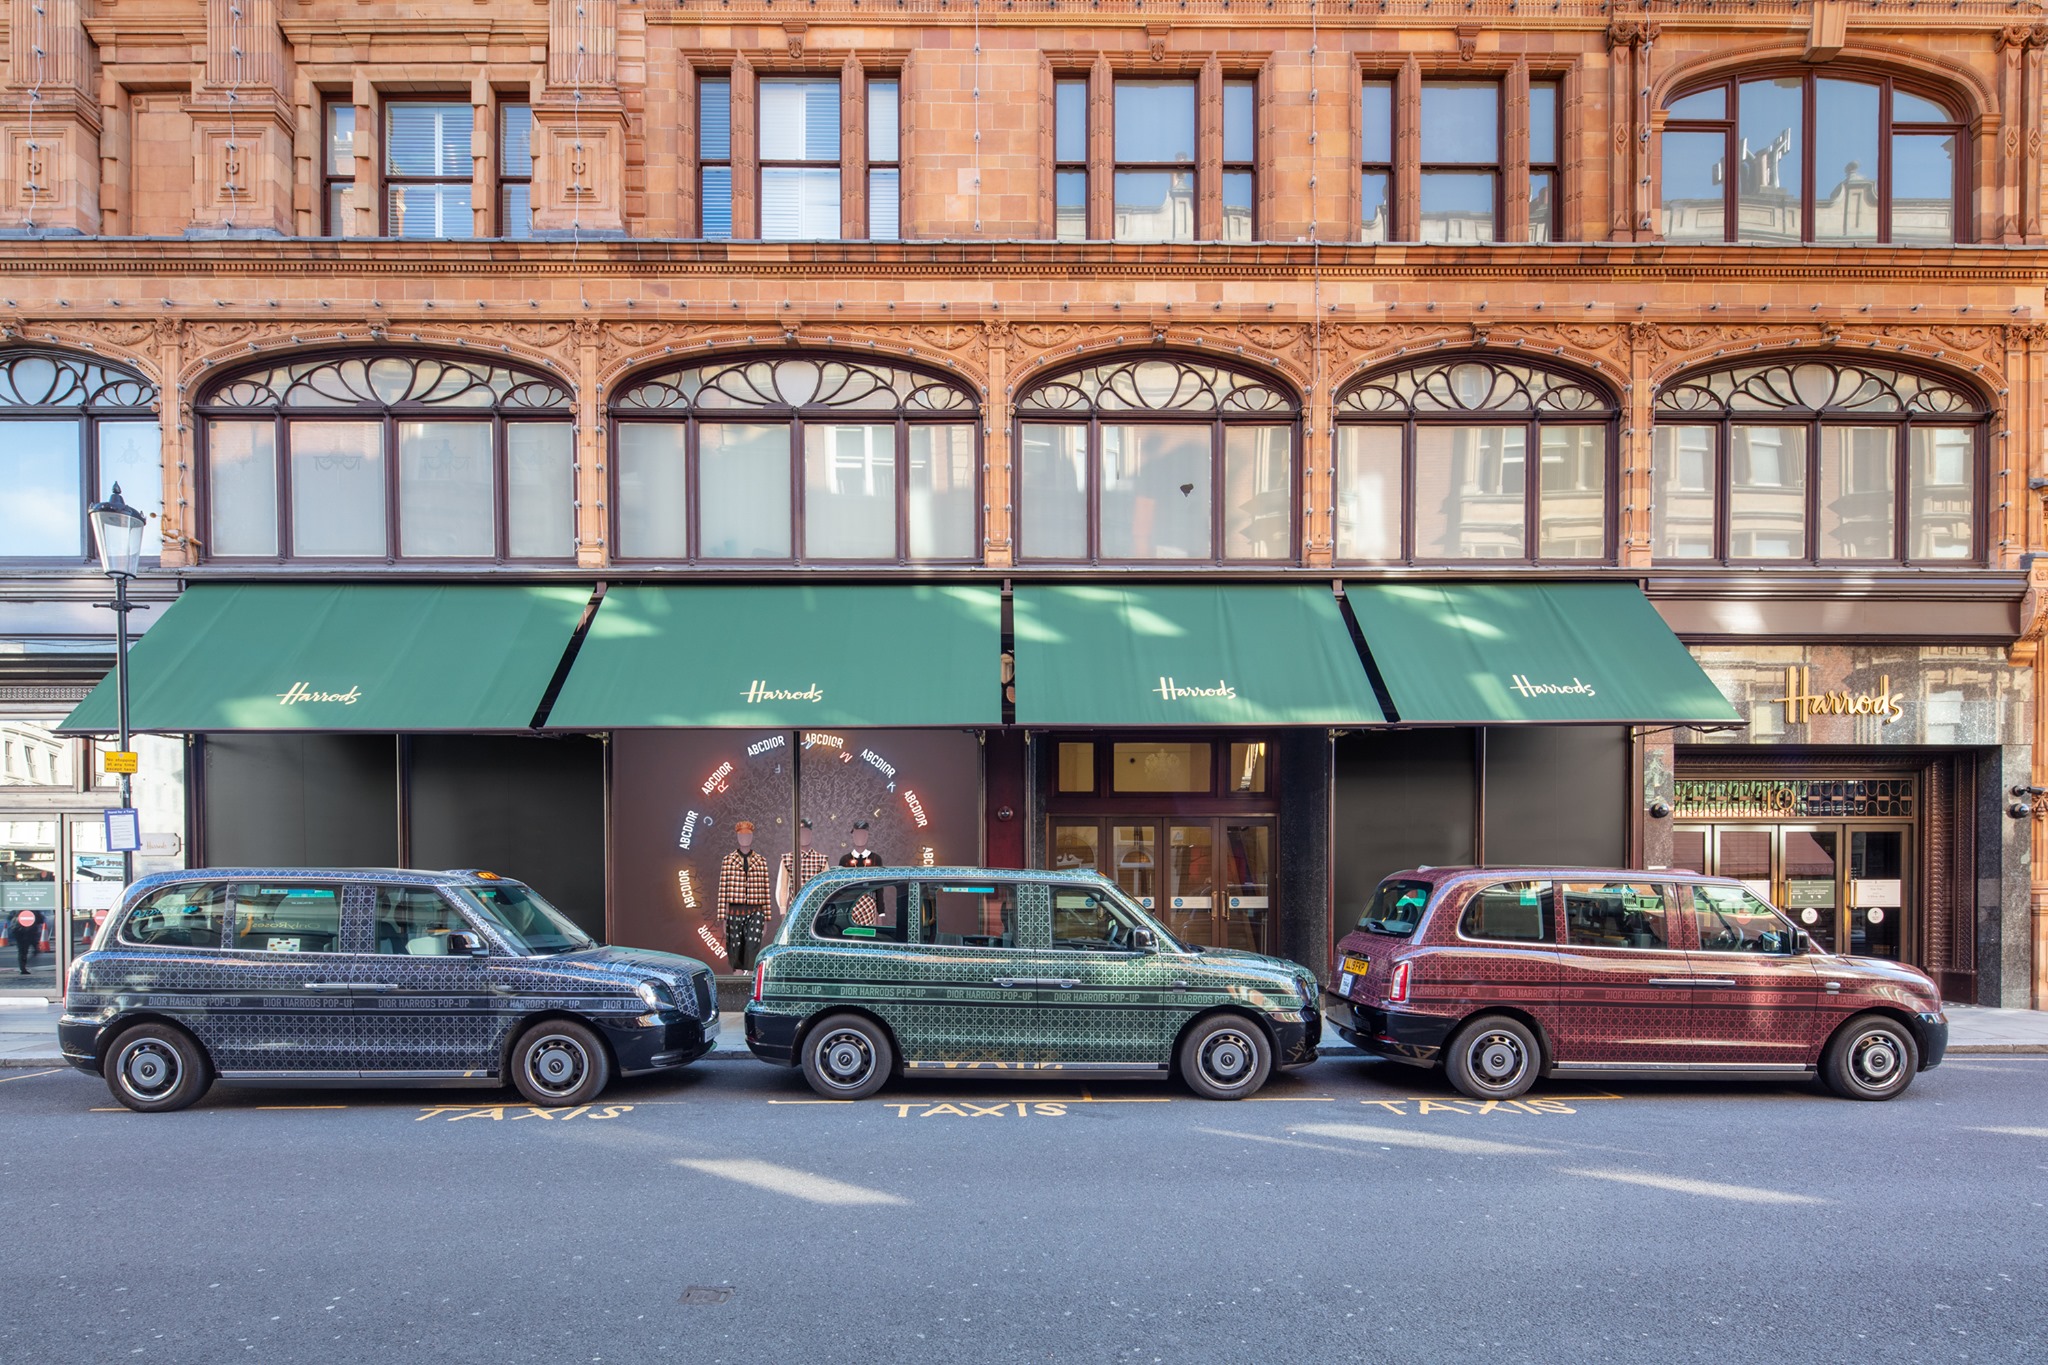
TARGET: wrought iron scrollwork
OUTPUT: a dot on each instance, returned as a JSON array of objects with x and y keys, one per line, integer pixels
[
  {"x": 1158, "y": 384},
  {"x": 54, "y": 379},
  {"x": 1814, "y": 386},
  {"x": 1472, "y": 385},
  {"x": 390, "y": 381},
  {"x": 793, "y": 383}
]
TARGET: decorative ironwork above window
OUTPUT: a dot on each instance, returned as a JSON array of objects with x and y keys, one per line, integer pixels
[
  {"x": 1469, "y": 386},
  {"x": 1793, "y": 798},
  {"x": 1814, "y": 386},
  {"x": 390, "y": 381},
  {"x": 50, "y": 379},
  {"x": 795, "y": 383},
  {"x": 1159, "y": 384}
]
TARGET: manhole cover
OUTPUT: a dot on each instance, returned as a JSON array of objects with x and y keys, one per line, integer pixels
[{"x": 699, "y": 1293}]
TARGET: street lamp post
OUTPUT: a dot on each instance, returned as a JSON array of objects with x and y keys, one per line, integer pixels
[{"x": 117, "y": 531}]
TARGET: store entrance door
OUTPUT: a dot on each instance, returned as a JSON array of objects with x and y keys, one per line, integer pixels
[
  {"x": 1845, "y": 884},
  {"x": 53, "y": 868},
  {"x": 1209, "y": 879}
]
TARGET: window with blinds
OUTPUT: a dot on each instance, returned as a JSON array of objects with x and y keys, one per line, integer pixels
[
  {"x": 714, "y": 158},
  {"x": 515, "y": 170},
  {"x": 885, "y": 169},
  {"x": 427, "y": 169},
  {"x": 800, "y": 194}
]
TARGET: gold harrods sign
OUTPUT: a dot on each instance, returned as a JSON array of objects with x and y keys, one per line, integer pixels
[{"x": 1802, "y": 703}]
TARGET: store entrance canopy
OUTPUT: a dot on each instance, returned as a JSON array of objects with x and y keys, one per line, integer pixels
[
  {"x": 1498, "y": 653},
  {"x": 785, "y": 657},
  {"x": 357, "y": 656},
  {"x": 1172, "y": 655}
]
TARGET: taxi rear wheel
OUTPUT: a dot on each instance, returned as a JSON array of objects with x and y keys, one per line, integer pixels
[
  {"x": 1871, "y": 1058},
  {"x": 1225, "y": 1058},
  {"x": 559, "y": 1061},
  {"x": 155, "y": 1068},
  {"x": 847, "y": 1057},
  {"x": 1495, "y": 1058}
]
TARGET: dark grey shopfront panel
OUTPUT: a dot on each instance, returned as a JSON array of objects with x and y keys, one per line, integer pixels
[
  {"x": 1403, "y": 798},
  {"x": 1557, "y": 794},
  {"x": 530, "y": 809},
  {"x": 289, "y": 800}
]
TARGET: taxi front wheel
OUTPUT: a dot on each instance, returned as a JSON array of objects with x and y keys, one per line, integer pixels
[
  {"x": 847, "y": 1057},
  {"x": 155, "y": 1068},
  {"x": 1225, "y": 1058},
  {"x": 1870, "y": 1058}
]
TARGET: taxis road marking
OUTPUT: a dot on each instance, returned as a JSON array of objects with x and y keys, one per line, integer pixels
[
  {"x": 513, "y": 1113},
  {"x": 1431, "y": 1104}
]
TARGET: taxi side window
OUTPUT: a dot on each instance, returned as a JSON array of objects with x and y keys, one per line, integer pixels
[
  {"x": 971, "y": 914},
  {"x": 1731, "y": 920},
  {"x": 189, "y": 916},
  {"x": 1616, "y": 915},
  {"x": 1084, "y": 918},
  {"x": 282, "y": 918},
  {"x": 867, "y": 912},
  {"x": 416, "y": 921},
  {"x": 1509, "y": 912}
]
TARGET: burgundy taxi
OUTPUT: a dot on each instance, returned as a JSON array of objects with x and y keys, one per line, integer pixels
[{"x": 1501, "y": 976}]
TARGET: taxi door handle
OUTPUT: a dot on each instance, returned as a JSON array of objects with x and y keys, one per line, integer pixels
[
  {"x": 377, "y": 986},
  {"x": 1831, "y": 986},
  {"x": 1065, "y": 983},
  {"x": 1726, "y": 981},
  {"x": 1670, "y": 981},
  {"x": 328, "y": 986}
]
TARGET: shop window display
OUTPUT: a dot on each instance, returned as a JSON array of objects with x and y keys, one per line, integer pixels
[{"x": 1806, "y": 461}]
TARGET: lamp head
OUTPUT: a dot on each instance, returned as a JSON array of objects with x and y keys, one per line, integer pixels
[{"x": 117, "y": 531}]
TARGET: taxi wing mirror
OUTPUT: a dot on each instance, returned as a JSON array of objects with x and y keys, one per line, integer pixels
[
  {"x": 1144, "y": 941},
  {"x": 467, "y": 945}
]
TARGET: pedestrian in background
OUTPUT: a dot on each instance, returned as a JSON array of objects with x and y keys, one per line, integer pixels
[{"x": 25, "y": 927}]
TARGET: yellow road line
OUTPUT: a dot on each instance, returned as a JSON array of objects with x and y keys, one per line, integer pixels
[{"x": 31, "y": 1075}]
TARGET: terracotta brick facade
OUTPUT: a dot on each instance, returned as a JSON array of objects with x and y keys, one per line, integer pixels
[{"x": 160, "y": 205}]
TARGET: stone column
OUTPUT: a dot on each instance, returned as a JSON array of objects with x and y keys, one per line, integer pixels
[
  {"x": 997, "y": 516},
  {"x": 1101, "y": 150},
  {"x": 1209, "y": 151},
  {"x": 579, "y": 126},
  {"x": 1407, "y": 224},
  {"x": 1515, "y": 156},
  {"x": 49, "y": 122},
  {"x": 244, "y": 124},
  {"x": 853, "y": 149}
]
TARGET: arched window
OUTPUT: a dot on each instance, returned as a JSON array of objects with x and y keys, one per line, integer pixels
[
  {"x": 1433, "y": 465},
  {"x": 1804, "y": 461},
  {"x": 71, "y": 427},
  {"x": 1156, "y": 459},
  {"x": 396, "y": 456},
  {"x": 1800, "y": 157},
  {"x": 796, "y": 458}
]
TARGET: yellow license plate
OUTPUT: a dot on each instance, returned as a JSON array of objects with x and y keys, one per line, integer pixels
[{"x": 1357, "y": 966}]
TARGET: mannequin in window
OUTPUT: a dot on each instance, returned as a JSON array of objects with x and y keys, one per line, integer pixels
[
  {"x": 797, "y": 868},
  {"x": 742, "y": 897},
  {"x": 865, "y": 911}
]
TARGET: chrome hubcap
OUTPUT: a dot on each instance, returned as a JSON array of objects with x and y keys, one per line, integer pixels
[
  {"x": 1498, "y": 1058},
  {"x": 1228, "y": 1057},
  {"x": 1875, "y": 1059},
  {"x": 845, "y": 1057},
  {"x": 149, "y": 1068},
  {"x": 557, "y": 1064}
]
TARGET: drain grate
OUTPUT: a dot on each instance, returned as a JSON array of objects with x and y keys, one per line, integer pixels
[{"x": 702, "y": 1293}]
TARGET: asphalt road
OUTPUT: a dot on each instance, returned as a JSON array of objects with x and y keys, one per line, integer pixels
[{"x": 1357, "y": 1212}]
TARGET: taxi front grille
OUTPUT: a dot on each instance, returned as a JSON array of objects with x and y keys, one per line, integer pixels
[{"x": 706, "y": 999}]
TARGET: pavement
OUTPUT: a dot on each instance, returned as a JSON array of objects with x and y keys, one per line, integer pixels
[
  {"x": 28, "y": 1033},
  {"x": 1356, "y": 1211}
]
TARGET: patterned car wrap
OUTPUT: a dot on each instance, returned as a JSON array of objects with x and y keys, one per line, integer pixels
[
  {"x": 949, "y": 1006},
  {"x": 360, "y": 1014}
]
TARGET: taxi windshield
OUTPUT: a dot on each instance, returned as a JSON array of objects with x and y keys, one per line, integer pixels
[
  {"x": 1138, "y": 912},
  {"x": 1396, "y": 907},
  {"x": 532, "y": 926}
]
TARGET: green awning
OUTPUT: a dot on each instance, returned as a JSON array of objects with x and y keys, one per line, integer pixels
[
  {"x": 779, "y": 657},
  {"x": 1491, "y": 653},
  {"x": 357, "y": 656},
  {"x": 1187, "y": 655}
]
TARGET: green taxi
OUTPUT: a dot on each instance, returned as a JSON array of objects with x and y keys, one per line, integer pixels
[{"x": 878, "y": 971}]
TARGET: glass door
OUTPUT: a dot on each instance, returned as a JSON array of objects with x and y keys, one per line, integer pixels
[
  {"x": 1190, "y": 910},
  {"x": 29, "y": 869},
  {"x": 1811, "y": 876},
  {"x": 1248, "y": 885},
  {"x": 1876, "y": 902},
  {"x": 1209, "y": 880}
]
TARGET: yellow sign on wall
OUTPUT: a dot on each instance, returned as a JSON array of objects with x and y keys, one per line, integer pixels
[{"x": 120, "y": 761}]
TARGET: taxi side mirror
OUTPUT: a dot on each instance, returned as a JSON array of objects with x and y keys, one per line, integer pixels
[
  {"x": 467, "y": 945},
  {"x": 1144, "y": 941}
]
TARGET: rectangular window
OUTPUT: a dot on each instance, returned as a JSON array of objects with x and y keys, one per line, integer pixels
[
  {"x": 1695, "y": 204},
  {"x": 1571, "y": 493},
  {"x": 287, "y": 919},
  {"x": 941, "y": 505},
  {"x": 1941, "y": 474},
  {"x": 1155, "y": 492},
  {"x": 1054, "y": 517},
  {"x": 338, "y": 170},
  {"x": 1845, "y": 141},
  {"x": 1470, "y": 492},
  {"x": 799, "y": 159},
  {"x": 876, "y": 912},
  {"x": 190, "y": 916},
  {"x": 1616, "y": 915},
  {"x": 1247, "y": 771},
  {"x": 970, "y": 915},
  {"x": 1923, "y": 200},
  {"x": 1161, "y": 767},
  {"x": 515, "y": 170},
  {"x": 446, "y": 490},
  {"x": 1155, "y": 161},
  {"x": 1077, "y": 767},
  {"x": 1460, "y": 126},
  {"x": 42, "y": 490},
  {"x": 1771, "y": 133},
  {"x": 337, "y": 478},
  {"x": 1070, "y": 160},
  {"x": 1858, "y": 503},
  {"x": 1240, "y": 100},
  {"x": 1376, "y": 152},
  {"x": 885, "y": 168},
  {"x": 1545, "y": 164},
  {"x": 1509, "y": 912},
  {"x": 714, "y": 158},
  {"x": 1767, "y": 492},
  {"x": 131, "y": 454},
  {"x": 743, "y": 490},
  {"x": 427, "y": 170},
  {"x": 1682, "y": 492},
  {"x": 540, "y": 490},
  {"x": 653, "y": 480},
  {"x": 1369, "y": 495},
  {"x": 416, "y": 922},
  {"x": 241, "y": 488},
  {"x": 1258, "y": 492},
  {"x": 849, "y": 491}
]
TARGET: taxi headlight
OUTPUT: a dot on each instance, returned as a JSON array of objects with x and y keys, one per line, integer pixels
[{"x": 655, "y": 995}]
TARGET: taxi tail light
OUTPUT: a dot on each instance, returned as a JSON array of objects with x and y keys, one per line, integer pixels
[
  {"x": 1397, "y": 987},
  {"x": 760, "y": 975}
]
